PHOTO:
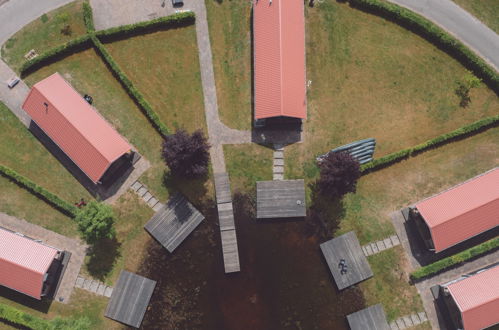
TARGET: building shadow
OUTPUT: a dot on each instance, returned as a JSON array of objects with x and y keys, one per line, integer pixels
[
  {"x": 113, "y": 179},
  {"x": 42, "y": 306}
]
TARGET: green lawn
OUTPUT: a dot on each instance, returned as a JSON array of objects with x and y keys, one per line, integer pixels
[
  {"x": 486, "y": 11},
  {"x": 44, "y": 33},
  {"x": 229, "y": 24}
]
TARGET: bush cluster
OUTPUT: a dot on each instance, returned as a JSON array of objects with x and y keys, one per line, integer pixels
[
  {"x": 433, "y": 33},
  {"x": 23, "y": 319},
  {"x": 88, "y": 17},
  {"x": 130, "y": 88},
  {"x": 126, "y": 31},
  {"x": 457, "y": 134},
  {"x": 38, "y": 191},
  {"x": 454, "y": 260},
  {"x": 55, "y": 54}
]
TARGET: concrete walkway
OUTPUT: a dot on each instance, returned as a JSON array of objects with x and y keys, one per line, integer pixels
[
  {"x": 15, "y": 14},
  {"x": 76, "y": 247},
  {"x": 93, "y": 286},
  {"x": 409, "y": 321},
  {"x": 144, "y": 193},
  {"x": 460, "y": 24},
  {"x": 381, "y": 245},
  {"x": 13, "y": 98}
]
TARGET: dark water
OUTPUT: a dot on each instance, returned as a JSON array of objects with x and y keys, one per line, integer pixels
[{"x": 284, "y": 282}]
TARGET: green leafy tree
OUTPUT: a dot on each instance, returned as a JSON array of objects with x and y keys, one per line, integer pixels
[{"x": 95, "y": 222}]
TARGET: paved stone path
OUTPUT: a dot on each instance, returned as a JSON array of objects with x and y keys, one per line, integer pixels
[
  {"x": 146, "y": 195},
  {"x": 278, "y": 166},
  {"x": 93, "y": 286},
  {"x": 382, "y": 245},
  {"x": 461, "y": 24},
  {"x": 76, "y": 247},
  {"x": 409, "y": 321},
  {"x": 13, "y": 98}
]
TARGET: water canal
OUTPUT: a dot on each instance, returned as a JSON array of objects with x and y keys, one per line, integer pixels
[{"x": 284, "y": 282}]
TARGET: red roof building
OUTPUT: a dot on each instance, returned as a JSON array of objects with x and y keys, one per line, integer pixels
[
  {"x": 75, "y": 126},
  {"x": 279, "y": 59},
  {"x": 24, "y": 263},
  {"x": 463, "y": 211},
  {"x": 477, "y": 298}
]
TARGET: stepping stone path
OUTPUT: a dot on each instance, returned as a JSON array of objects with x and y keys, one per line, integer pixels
[
  {"x": 278, "y": 167},
  {"x": 376, "y": 247},
  {"x": 146, "y": 195},
  {"x": 409, "y": 321},
  {"x": 93, "y": 286}
]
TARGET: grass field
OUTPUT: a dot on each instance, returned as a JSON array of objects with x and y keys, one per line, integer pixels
[
  {"x": 229, "y": 23},
  {"x": 44, "y": 33},
  {"x": 486, "y": 11}
]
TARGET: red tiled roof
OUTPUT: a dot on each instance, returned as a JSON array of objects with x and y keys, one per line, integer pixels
[
  {"x": 23, "y": 263},
  {"x": 75, "y": 126},
  {"x": 477, "y": 297},
  {"x": 279, "y": 58},
  {"x": 463, "y": 211}
]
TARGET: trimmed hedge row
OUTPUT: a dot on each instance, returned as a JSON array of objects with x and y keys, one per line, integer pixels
[
  {"x": 88, "y": 17},
  {"x": 433, "y": 33},
  {"x": 56, "y": 53},
  {"x": 18, "y": 317},
  {"x": 455, "y": 135},
  {"x": 126, "y": 31},
  {"x": 454, "y": 260},
  {"x": 38, "y": 191},
  {"x": 130, "y": 88}
]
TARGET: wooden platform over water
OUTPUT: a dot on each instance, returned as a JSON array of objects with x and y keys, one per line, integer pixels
[
  {"x": 346, "y": 247},
  {"x": 371, "y": 318},
  {"x": 173, "y": 222},
  {"x": 227, "y": 226},
  {"x": 280, "y": 199},
  {"x": 130, "y": 298}
]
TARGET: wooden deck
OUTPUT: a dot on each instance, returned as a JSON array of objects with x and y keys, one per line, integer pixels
[
  {"x": 280, "y": 199},
  {"x": 227, "y": 226},
  {"x": 346, "y": 247},
  {"x": 173, "y": 222},
  {"x": 130, "y": 298},
  {"x": 371, "y": 318}
]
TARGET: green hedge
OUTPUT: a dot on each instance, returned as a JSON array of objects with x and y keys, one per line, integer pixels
[
  {"x": 38, "y": 191},
  {"x": 125, "y": 31},
  {"x": 54, "y": 54},
  {"x": 457, "y": 134},
  {"x": 130, "y": 88},
  {"x": 18, "y": 317},
  {"x": 88, "y": 17},
  {"x": 433, "y": 33},
  {"x": 454, "y": 260}
]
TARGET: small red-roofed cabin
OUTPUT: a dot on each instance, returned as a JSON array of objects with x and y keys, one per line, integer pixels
[
  {"x": 77, "y": 128},
  {"x": 459, "y": 213},
  {"x": 473, "y": 300},
  {"x": 279, "y": 59},
  {"x": 26, "y": 265}
]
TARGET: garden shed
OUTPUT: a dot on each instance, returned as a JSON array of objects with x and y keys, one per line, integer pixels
[
  {"x": 77, "y": 128},
  {"x": 279, "y": 59},
  {"x": 26, "y": 265}
]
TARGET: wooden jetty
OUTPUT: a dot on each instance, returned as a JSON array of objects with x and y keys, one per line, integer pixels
[
  {"x": 346, "y": 260},
  {"x": 371, "y": 318},
  {"x": 130, "y": 298},
  {"x": 280, "y": 199},
  {"x": 227, "y": 226},
  {"x": 173, "y": 222}
]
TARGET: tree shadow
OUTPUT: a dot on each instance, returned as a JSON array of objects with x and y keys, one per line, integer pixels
[
  {"x": 103, "y": 255},
  {"x": 194, "y": 189}
]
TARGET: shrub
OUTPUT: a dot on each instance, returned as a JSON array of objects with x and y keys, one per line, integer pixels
[
  {"x": 130, "y": 88},
  {"x": 434, "y": 34},
  {"x": 187, "y": 155},
  {"x": 456, "y": 259},
  {"x": 88, "y": 17},
  {"x": 95, "y": 222},
  {"x": 126, "y": 31},
  {"x": 339, "y": 172},
  {"x": 44, "y": 18},
  {"x": 55, "y": 54},
  {"x": 39, "y": 192},
  {"x": 460, "y": 133}
]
